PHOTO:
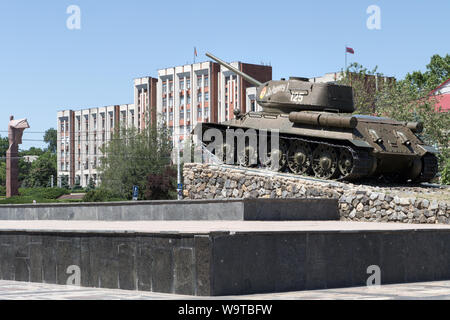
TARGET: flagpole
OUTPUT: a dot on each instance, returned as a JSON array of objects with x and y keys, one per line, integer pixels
[{"x": 345, "y": 59}]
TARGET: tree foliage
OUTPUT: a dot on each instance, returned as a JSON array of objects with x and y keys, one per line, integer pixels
[
  {"x": 405, "y": 100},
  {"x": 4, "y": 145},
  {"x": 445, "y": 177},
  {"x": 101, "y": 195},
  {"x": 51, "y": 138},
  {"x": 132, "y": 156},
  {"x": 437, "y": 71},
  {"x": 40, "y": 171},
  {"x": 33, "y": 151},
  {"x": 91, "y": 185},
  {"x": 35, "y": 174},
  {"x": 24, "y": 170},
  {"x": 2, "y": 173},
  {"x": 365, "y": 83},
  {"x": 64, "y": 182},
  {"x": 160, "y": 186}
]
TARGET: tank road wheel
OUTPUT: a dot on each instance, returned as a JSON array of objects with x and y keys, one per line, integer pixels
[
  {"x": 325, "y": 162},
  {"x": 345, "y": 163},
  {"x": 280, "y": 153},
  {"x": 299, "y": 157}
]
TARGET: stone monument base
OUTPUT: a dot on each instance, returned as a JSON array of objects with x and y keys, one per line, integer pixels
[
  {"x": 208, "y": 258},
  {"x": 186, "y": 210}
]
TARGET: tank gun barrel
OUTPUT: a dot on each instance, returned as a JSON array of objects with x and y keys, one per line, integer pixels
[{"x": 231, "y": 68}]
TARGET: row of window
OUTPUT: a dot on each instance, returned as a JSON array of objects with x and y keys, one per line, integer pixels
[
  {"x": 188, "y": 114},
  {"x": 87, "y": 178},
  {"x": 65, "y": 125},
  {"x": 94, "y": 121},
  {"x": 182, "y": 100},
  {"x": 200, "y": 83},
  {"x": 85, "y": 165}
]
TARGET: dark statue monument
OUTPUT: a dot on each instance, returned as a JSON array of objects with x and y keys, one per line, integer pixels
[{"x": 15, "y": 132}]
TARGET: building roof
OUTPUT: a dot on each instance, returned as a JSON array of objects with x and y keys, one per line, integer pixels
[
  {"x": 442, "y": 95},
  {"x": 443, "y": 101},
  {"x": 445, "y": 84}
]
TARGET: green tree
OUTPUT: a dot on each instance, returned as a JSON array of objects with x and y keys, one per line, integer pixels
[
  {"x": 51, "y": 138},
  {"x": 2, "y": 173},
  {"x": 41, "y": 171},
  {"x": 131, "y": 156},
  {"x": 33, "y": 151},
  {"x": 437, "y": 71},
  {"x": 24, "y": 170},
  {"x": 445, "y": 178},
  {"x": 161, "y": 186},
  {"x": 404, "y": 100},
  {"x": 77, "y": 185},
  {"x": 65, "y": 182},
  {"x": 365, "y": 83},
  {"x": 91, "y": 185},
  {"x": 4, "y": 145}
]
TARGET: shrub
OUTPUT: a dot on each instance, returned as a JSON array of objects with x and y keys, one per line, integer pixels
[
  {"x": 78, "y": 190},
  {"x": 43, "y": 193},
  {"x": 445, "y": 174},
  {"x": 2, "y": 191},
  {"x": 161, "y": 186},
  {"x": 101, "y": 195}
]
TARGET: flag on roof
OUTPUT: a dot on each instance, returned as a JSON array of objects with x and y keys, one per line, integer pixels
[{"x": 349, "y": 50}]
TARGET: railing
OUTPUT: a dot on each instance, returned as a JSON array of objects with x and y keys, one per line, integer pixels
[{"x": 208, "y": 157}]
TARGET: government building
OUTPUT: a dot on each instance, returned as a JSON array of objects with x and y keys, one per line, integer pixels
[{"x": 179, "y": 98}]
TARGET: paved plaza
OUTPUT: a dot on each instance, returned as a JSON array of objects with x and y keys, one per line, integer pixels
[
  {"x": 439, "y": 290},
  {"x": 205, "y": 227}
]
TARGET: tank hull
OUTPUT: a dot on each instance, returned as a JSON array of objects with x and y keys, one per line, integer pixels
[
  {"x": 332, "y": 148},
  {"x": 313, "y": 137}
]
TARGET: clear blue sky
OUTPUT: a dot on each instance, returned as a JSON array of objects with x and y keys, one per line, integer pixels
[{"x": 45, "y": 67}]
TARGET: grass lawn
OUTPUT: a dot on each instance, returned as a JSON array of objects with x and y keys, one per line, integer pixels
[{"x": 40, "y": 195}]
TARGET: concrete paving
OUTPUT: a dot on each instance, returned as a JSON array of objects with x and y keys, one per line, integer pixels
[
  {"x": 205, "y": 227},
  {"x": 440, "y": 290}
]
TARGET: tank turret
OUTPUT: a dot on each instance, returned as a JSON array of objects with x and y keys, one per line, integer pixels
[{"x": 297, "y": 94}]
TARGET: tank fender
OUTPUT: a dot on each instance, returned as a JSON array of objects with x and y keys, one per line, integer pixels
[
  {"x": 361, "y": 144},
  {"x": 429, "y": 149}
]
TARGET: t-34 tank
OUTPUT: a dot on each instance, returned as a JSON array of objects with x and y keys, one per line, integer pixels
[{"x": 319, "y": 135}]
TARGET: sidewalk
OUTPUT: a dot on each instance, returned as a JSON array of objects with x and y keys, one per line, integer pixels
[{"x": 10, "y": 290}]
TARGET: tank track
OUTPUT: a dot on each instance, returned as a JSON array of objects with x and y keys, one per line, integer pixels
[
  {"x": 429, "y": 169},
  {"x": 362, "y": 161}
]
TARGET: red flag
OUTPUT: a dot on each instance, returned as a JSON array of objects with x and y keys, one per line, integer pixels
[
  {"x": 349, "y": 50},
  {"x": 195, "y": 51}
]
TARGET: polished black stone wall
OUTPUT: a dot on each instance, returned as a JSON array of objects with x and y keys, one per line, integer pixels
[
  {"x": 159, "y": 263},
  {"x": 226, "y": 264}
]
